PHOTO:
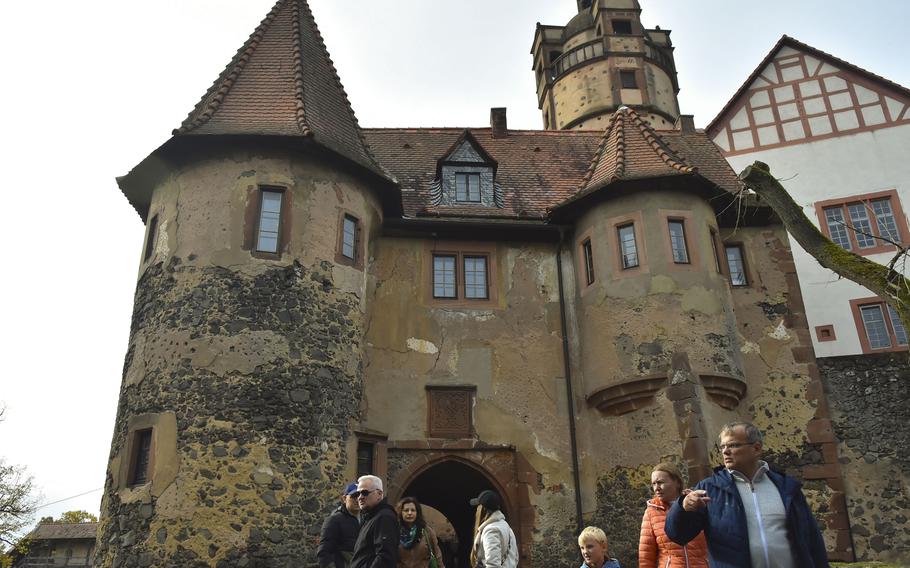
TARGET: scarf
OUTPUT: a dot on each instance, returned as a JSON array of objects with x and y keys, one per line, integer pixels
[{"x": 409, "y": 537}]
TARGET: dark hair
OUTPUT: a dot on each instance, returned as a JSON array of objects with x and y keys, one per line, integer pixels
[{"x": 400, "y": 506}]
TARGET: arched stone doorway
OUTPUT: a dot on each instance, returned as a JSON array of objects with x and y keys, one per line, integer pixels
[{"x": 448, "y": 485}]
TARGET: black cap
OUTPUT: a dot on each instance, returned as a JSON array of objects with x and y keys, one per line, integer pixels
[{"x": 489, "y": 500}]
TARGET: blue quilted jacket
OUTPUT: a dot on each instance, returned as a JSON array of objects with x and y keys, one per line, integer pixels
[{"x": 724, "y": 523}]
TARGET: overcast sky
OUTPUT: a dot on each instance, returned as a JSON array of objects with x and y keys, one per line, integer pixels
[{"x": 91, "y": 88}]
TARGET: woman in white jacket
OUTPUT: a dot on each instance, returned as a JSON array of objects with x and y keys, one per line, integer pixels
[{"x": 495, "y": 545}]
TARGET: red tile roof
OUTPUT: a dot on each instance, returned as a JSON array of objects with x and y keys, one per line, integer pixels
[
  {"x": 540, "y": 169},
  {"x": 282, "y": 82},
  {"x": 631, "y": 149},
  {"x": 785, "y": 41}
]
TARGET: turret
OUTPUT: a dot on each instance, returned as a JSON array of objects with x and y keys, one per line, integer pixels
[
  {"x": 243, "y": 374},
  {"x": 603, "y": 58}
]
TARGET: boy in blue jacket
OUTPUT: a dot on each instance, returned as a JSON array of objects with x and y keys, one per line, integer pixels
[{"x": 593, "y": 544}]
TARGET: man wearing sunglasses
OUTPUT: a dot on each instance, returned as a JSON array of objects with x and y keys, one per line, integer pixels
[
  {"x": 377, "y": 543},
  {"x": 752, "y": 517}
]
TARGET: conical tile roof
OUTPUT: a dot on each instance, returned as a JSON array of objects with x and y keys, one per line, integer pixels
[
  {"x": 631, "y": 149},
  {"x": 282, "y": 82}
]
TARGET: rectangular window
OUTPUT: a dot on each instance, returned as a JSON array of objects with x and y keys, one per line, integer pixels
[
  {"x": 588, "y": 253},
  {"x": 900, "y": 332},
  {"x": 150, "y": 240},
  {"x": 866, "y": 224},
  {"x": 349, "y": 230},
  {"x": 837, "y": 227},
  {"x": 475, "y": 277},
  {"x": 365, "y": 458},
  {"x": 444, "y": 276},
  {"x": 269, "y": 221},
  {"x": 142, "y": 451},
  {"x": 717, "y": 263},
  {"x": 737, "y": 265},
  {"x": 678, "y": 242},
  {"x": 862, "y": 227},
  {"x": 627, "y": 80},
  {"x": 623, "y": 27},
  {"x": 467, "y": 187},
  {"x": 875, "y": 326},
  {"x": 628, "y": 250}
]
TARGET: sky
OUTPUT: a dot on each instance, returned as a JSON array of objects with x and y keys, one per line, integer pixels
[{"x": 90, "y": 88}]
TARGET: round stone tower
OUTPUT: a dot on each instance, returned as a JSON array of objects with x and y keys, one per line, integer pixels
[
  {"x": 243, "y": 373},
  {"x": 601, "y": 60}
]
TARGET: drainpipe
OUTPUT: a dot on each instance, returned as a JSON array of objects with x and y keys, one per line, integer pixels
[{"x": 570, "y": 398}]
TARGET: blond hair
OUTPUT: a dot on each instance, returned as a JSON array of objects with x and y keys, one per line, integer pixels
[{"x": 592, "y": 533}]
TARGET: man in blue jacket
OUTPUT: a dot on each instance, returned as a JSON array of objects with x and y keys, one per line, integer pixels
[{"x": 752, "y": 517}]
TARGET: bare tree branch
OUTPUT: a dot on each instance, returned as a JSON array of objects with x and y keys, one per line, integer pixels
[{"x": 883, "y": 280}]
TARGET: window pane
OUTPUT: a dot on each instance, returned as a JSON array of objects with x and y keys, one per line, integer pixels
[
  {"x": 678, "y": 242},
  {"x": 834, "y": 216},
  {"x": 589, "y": 261},
  {"x": 714, "y": 250},
  {"x": 443, "y": 276},
  {"x": 475, "y": 277},
  {"x": 143, "y": 454},
  {"x": 269, "y": 217},
  {"x": 884, "y": 217},
  {"x": 474, "y": 187},
  {"x": 152, "y": 237},
  {"x": 900, "y": 332},
  {"x": 467, "y": 187},
  {"x": 737, "y": 266},
  {"x": 862, "y": 228},
  {"x": 461, "y": 187},
  {"x": 349, "y": 237},
  {"x": 364, "y": 458},
  {"x": 876, "y": 330},
  {"x": 628, "y": 251}
]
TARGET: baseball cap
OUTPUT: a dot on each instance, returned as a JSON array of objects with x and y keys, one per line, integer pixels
[
  {"x": 351, "y": 487},
  {"x": 489, "y": 500}
]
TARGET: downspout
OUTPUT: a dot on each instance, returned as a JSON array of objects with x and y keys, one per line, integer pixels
[{"x": 570, "y": 398}]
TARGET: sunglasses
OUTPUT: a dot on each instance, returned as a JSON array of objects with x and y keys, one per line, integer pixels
[{"x": 362, "y": 493}]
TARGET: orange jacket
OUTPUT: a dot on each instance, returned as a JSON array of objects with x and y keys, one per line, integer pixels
[{"x": 656, "y": 550}]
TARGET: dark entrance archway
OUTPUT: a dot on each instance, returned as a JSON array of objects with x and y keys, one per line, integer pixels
[{"x": 448, "y": 486}]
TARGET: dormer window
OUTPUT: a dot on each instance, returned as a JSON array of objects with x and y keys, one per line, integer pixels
[
  {"x": 467, "y": 187},
  {"x": 467, "y": 177}
]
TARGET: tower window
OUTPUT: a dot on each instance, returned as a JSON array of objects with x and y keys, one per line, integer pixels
[
  {"x": 678, "y": 242},
  {"x": 267, "y": 236},
  {"x": 151, "y": 238},
  {"x": 627, "y": 80},
  {"x": 467, "y": 187},
  {"x": 142, "y": 453},
  {"x": 349, "y": 230},
  {"x": 736, "y": 265},
  {"x": 628, "y": 249},
  {"x": 623, "y": 27},
  {"x": 588, "y": 254}
]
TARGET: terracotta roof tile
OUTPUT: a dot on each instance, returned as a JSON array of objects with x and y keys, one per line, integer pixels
[
  {"x": 538, "y": 170},
  {"x": 282, "y": 82},
  {"x": 631, "y": 149}
]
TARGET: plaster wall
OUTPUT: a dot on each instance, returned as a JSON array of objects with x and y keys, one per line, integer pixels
[
  {"x": 829, "y": 169},
  {"x": 585, "y": 90}
]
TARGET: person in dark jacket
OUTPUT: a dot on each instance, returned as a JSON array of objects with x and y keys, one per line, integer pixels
[
  {"x": 339, "y": 532},
  {"x": 377, "y": 543},
  {"x": 752, "y": 517}
]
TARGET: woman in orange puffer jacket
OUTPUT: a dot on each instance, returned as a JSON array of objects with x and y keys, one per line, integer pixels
[{"x": 655, "y": 549}]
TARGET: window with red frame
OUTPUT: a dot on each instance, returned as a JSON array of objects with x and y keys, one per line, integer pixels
[
  {"x": 882, "y": 326},
  {"x": 864, "y": 225}
]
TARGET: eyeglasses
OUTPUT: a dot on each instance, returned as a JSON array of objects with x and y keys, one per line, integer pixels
[
  {"x": 362, "y": 493},
  {"x": 732, "y": 446}
]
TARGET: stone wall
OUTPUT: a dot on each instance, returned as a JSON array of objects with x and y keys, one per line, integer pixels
[
  {"x": 868, "y": 397},
  {"x": 263, "y": 376}
]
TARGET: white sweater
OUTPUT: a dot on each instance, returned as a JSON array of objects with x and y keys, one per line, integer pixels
[{"x": 495, "y": 543}]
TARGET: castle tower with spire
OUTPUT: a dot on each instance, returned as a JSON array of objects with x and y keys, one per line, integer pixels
[
  {"x": 244, "y": 368},
  {"x": 604, "y": 58}
]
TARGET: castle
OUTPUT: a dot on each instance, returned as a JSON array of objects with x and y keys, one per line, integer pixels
[{"x": 545, "y": 313}]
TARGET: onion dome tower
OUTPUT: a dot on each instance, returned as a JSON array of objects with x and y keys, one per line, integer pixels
[
  {"x": 601, "y": 60},
  {"x": 243, "y": 373}
]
